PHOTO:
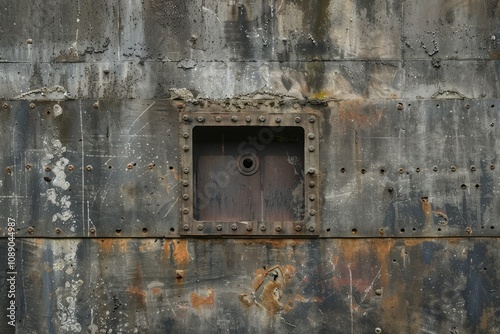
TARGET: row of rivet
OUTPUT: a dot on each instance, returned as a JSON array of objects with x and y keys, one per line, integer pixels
[
  {"x": 248, "y": 119},
  {"x": 89, "y": 168},
  {"x": 418, "y": 170},
  {"x": 249, "y": 228}
]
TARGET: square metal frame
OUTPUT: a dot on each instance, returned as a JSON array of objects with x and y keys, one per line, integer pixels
[{"x": 309, "y": 227}]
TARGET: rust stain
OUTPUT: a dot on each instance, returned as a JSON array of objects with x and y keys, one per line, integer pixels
[
  {"x": 259, "y": 278},
  {"x": 276, "y": 243},
  {"x": 426, "y": 206},
  {"x": 270, "y": 297},
  {"x": 199, "y": 302},
  {"x": 180, "y": 251},
  {"x": 359, "y": 113},
  {"x": 155, "y": 291},
  {"x": 141, "y": 294},
  {"x": 300, "y": 298},
  {"x": 443, "y": 215},
  {"x": 112, "y": 245}
]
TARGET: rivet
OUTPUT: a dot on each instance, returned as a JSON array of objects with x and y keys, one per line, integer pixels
[
  {"x": 180, "y": 106},
  {"x": 96, "y": 105},
  {"x": 185, "y": 197},
  {"x": 180, "y": 273},
  {"x": 400, "y": 106},
  {"x": 468, "y": 230},
  {"x": 417, "y": 170},
  {"x": 298, "y": 228},
  {"x": 312, "y": 184},
  {"x": 262, "y": 118},
  {"x": 185, "y": 118},
  {"x": 473, "y": 168},
  {"x": 185, "y": 183},
  {"x": 492, "y": 167},
  {"x": 32, "y": 106},
  {"x": 92, "y": 230},
  {"x": 219, "y": 227},
  {"x": 278, "y": 228},
  {"x": 8, "y": 170},
  {"x": 106, "y": 70},
  {"x": 234, "y": 227},
  {"x": 31, "y": 229},
  {"x": 185, "y": 135},
  {"x": 234, "y": 118},
  {"x": 46, "y": 178},
  {"x": 311, "y": 136},
  {"x": 312, "y": 198},
  {"x": 311, "y": 229},
  {"x": 29, "y": 41},
  {"x": 297, "y": 120},
  {"x": 453, "y": 168},
  {"x": 435, "y": 168},
  {"x": 185, "y": 148},
  {"x": 401, "y": 171},
  {"x": 71, "y": 167},
  {"x": 5, "y": 106},
  {"x": 58, "y": 230},
  {"x": 248, "y": 228},
  {"x": 48, "y": 169},
  {"x": 130, "y": 166},
  {"x": 186, "y": 170},
  {"x": 199, "y": 227},
  {"x": 312, "y": 119},
  {"x": 185, "y": 227},
  {"x": 248, "y": 119},
  {"x": 312, "y": 212},
  {"x": 311, "y": 170},
  {"x": 278, "y": 120},
  {"x": 463, "y": 186},
  {"x": 28, "y": 166},
  {"x": 151, "y": 166},
  {"x": 378, "y": 292},
  {"x": 381, "y": 231},
  {"x": 218, "y": 119},
  {"x": 88, "y": 168},
  {"x": 378, "y": 330},
  {"x": 390, "y": 189},
  {"x": 200, "y": 119},
  {"x": 311, "y": 148},
  {"x": 262, "y": 228},
  {"x": 467, "y": 106},
  {"x": 185, "y": 211}
]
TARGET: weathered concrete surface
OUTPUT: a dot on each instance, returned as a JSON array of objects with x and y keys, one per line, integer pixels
[{"x": 409, "y": 98}]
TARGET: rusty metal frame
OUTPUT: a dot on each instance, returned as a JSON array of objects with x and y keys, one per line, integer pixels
[{"x": 308, "y": 227}]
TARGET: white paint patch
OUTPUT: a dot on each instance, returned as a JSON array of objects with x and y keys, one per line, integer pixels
[{"x": 57, "y": 110}]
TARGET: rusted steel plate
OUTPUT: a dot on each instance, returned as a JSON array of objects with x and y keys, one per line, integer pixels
[{"x": 262, "y": 286}]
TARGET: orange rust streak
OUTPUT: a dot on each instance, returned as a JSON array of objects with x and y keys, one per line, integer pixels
[
  {"x": 181, "y": 254},
  {"x": 198, "y": 301},
  {"x": 269, "y": 299},
  {"x": 155, "y": 291},
  {"x": 359, "y": 113},
  {"x": 259, "y": 278},
  {"x": 141, "y": 294}
]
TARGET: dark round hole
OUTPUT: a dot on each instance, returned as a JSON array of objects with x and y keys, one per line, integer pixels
[
  {"x": 170, "y": 167},
  {"x": 118, "y": 230},
  {"x": 328, "y": 229},
  {"x": 247, "y": 163},
  {"x": 402, "y": 230},
  {"x": 493, "y": 227},
  {"x": 342, "y": 170},
  {"x": 172, "y": 229},
  {"x": 145, "y": 230},
  {"x": 354, "y": 230}
]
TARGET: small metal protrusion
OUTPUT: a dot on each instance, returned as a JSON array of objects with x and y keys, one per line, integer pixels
[
  {"x": 8, "y": 170},
  {"x": 96, "y": 105},
  {"x": 473, "y": 168},
  {"x": 297, "y": 120},
  {"x": 381, "y": 231},
  {"x": 31, "y": 229},
  {"x": 263, "y": 228},
  {"x": 185, "y": 197},
  {"x": 185, "y": 118},
  {"x": 453, "y": 168},
  {"x": 312, "y": 119},
  {"x": 378, "y": 292},
  {"x": 32, "y": 106},
  {"x": 180, "y": 106},
  {"x": 311, "y": 148},
  {"x": 312, "y": 212},
  {"x": 435, "y": 168},
  {"x": 200, "y": 227},
  {"x": 28, "y": 166},
  {"x": 92, "y": 230},
  {"x": 218, "y": 119},
  {"x": 463, "y": 186},
  {"x": 248, "y": 228},
  {"x": 185, "y": 183},
  {"x": 312, "y": 198},
  {"x": 179, "y": 273},
  {"x": 185, "y": 211},
  {"x": 390, "y": 189},
  {"x": 185, "y": 227},
  {"x": 417, "y": 170},
  {"x": 200, "y": 119},
  {"x": 467, "y": 106},
  {"x": 234, "y": 227},
  {"x": 186, "y": 170},
  {"x": 219, "y": 227},
  {"x": 58, "y": 230},
  {"x": 130, "y": 166},
  {"x": 47, "y": 168},
  {"x": 278, "y": 120},
  {"x": 71, "y": 167},
  {"x": 311, "y": 136},
  {"x": 378, "y": 330},
  {"x": 29, "y": 41},
  {"x": 185, "y": 148},
  {"x": 185, "y": 135},
  {"x": 298, "y": 228},
  {"x": 468, "y": 230},
  {"x": 151, "y": 166},
  {"x": 400, "y": 106},
  {"x": 311, "y": 229},
  {"x": 5, "y": 106},
  {"x": 88, "y": 168},
  {"x": 262, "y": 118},
  {"x": 311, "y": 170},
  {"x": 492, "y": 167},
  {"x": 278, "y": 228},
  {"x": 234, "y": 118},
  {"x": 312, "y": 184},
  {"x": 248, "y": 119},
  {"x": 401, "y": 171},
  {"x": 106, "y": 70}
]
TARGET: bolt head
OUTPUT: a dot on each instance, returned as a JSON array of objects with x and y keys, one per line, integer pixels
[
  {"x": 185, "y": 197},
  {"x": 96, "y": 105},
  {"x": 234, "y": 118},
  {"x": 311, "y": 136},
  {"x": 186, "y": 170},
  {"x": 298, "y": 228},
  {"x": 312, "y": 119},
  {"x": 311, "y": 229},
  {"x": 70, "y": 167},
  {"x": 278, "y": 120},
  {"x": 151, "y": 166},
  {"x": 219, "y": 227},
  {"x": 218, "y": 119},
  {"x": 179, "y": 273},
  {"x": 390, "y": 189},
  {"x": 400, "y": 106},
  {"x": 262, "y": 228},
  {"x": 234, "y": 227},
  {"x": 185, "y": 183},
  {"x": 278, "y": 228},
  {"x": 201, "y": 119},
  {"x": 311, "y": 170},
  {"x": 130, "y": 166},
  {"x": 312, "y": 184},
  {"x": 32, "y": 106},
  {"x": 58, "y": 230},
  {"x": 248, "y": 119},
  {"x": 185, "y": 135},
  {"x": 185, "y": 148},
  {"x": 312, "y": 198},
  {"x": 88, "y": 168},
  {"x": 248, "y": 228},
  {"x": 92, "y": 230},
  {"x": 311, "y": 148},
  {"x": 185, "y": 211},
  {"x": 312, "y": 212},
  {"x": 262, "y": 118},
  {"x": 200, "y": 227},
  {"x": 106, "y": 70},
  {"x": 185, "y": 118},
  {"x": 185, "y": 227},
  {"x": 31, "y": 229},
  {"x": 297, "y": 119}
]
